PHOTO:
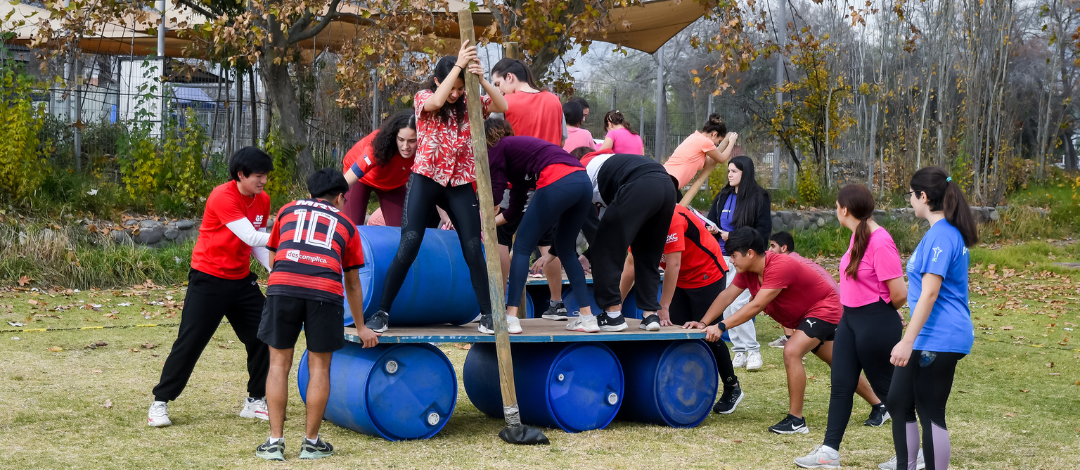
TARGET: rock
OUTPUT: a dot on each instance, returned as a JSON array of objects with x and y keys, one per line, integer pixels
[
  {"x": 149, "y": 224},
  {"x": 821, "y": 222},
  {"x": 185, "y": 225},
  {"x": 120, "y": 236},
  {"x": 171, "y": 233},
  {"x": 149, "y": 236},
  {"x": 131, "y": 223},
  {"x": 785, "y": 216},
  {"x": 777, "y": 224},
  {"x": 800, "y": 224},
  {"x": 994, "y": 215},
  {"x": 880, "y": 214}
]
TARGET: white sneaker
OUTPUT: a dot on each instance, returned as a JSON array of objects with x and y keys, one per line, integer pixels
[
  {"x": 821, "y": 457},
  {"x": 255, "y": 408},
  {"x": 739, "y": 360},
  {"x": 891, "y": 464},
  {"x": 158, "y": 416},
  {"x": 753, "y": 360},
  {"x": 584, "y": 323},
  {"x": 779, "y": 342},
  {"x": 513, "y": 325}
]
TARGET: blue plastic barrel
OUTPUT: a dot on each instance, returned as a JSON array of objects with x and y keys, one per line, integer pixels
[
  {"x": 393, "y": 391},
  {"x": 630, "y": 309},
  {"x": 671, "y": 383},
  {"x": 571, "y": 386},
  {"x": 437, "y": 288},
  {"x": 573, "y": 308}
]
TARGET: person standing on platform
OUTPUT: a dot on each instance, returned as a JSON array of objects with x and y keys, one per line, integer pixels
[
  {"x": 872, "y": 288},
  {"x": 792, "y": 294},
  {"x": 314, "y": 245},
  {"x": 741, "y": 203},
  {"x": 381, "y": 163},
  {"x": 443, "y": 174},
  {"x": 221, "y": 284},
  {"x": 620, "y": 137},
  {"x": 576, "y": 136},
  {"x": 562, "y": 200},
  {"x": 701, "y": 151}
]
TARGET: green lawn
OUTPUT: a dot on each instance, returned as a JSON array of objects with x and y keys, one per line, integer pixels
[{"x": 1014, "y": 404}]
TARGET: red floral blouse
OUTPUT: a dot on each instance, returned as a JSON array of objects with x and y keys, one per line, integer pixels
[{"x": 444, "y": 149}]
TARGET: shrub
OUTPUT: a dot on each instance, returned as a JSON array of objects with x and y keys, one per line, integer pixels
[
  {"x": 808, "y": 184},
  {"x": 22, "y": 162}
]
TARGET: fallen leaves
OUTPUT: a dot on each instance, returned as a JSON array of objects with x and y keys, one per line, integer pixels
[
  {"x": 107, "y": 404},
  {"x": 97, "y": 344},
  {"x": 149, "y": 345},
  {"x": 24, "y": 280}
]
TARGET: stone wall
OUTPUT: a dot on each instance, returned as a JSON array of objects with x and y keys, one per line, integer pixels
[
  {"x": 156, "y": 233},
  {"x": 815, "y": 219}
]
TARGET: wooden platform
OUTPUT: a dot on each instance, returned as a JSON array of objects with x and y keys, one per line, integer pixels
[
  {"x": 540, "y": 281},
  {"x": 534, "y": 330}
]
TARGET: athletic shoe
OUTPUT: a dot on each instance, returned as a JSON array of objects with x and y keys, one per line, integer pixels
[
  {"x": 739, "y": 360},
  {"x": 268, "y": 451},
  {"x": 611, "y": 324},
  {"x": 779, "y": 342},
  {"x": 650, "y": 323},
  {"x": 513, "y": 325},
  {"x": 728, "y": 401},
  {"x": 891, "y": 464},
  {"x": 317, "y": 450},
  {"x": 584, "y": 324},
  {"x": 820, "y": 458},
  {"x": 790, "y": 425},
  {"x": 378, "y": 322},
  {"x": 158, "y": 416},
  {"x": 486, "y": 325},
  {"x": 255, "y": 408},
  {"x": 555, "y": 312},
  {"x": 878, "y": 416},
  {"x": 753, "y": 360}
]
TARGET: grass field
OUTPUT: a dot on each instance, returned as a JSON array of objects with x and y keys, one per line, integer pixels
[{"x": 64, "y": 405}]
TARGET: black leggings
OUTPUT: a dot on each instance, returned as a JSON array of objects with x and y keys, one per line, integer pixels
[
  {"x": 691, "y": 305},
  {"x": 639, "y": 219},
  {"x": 568, "y": 202},
  {"x": 462, "y": 206},
  {"x": 922, "y": 386},
  {"x": 863, "y": 343}
]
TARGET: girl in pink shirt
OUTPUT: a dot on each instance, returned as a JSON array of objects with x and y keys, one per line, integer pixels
[
  {"x": 576, "y": 136},
  {"x": 620, "y": 137},
  {"x": 702, "y": 150}
]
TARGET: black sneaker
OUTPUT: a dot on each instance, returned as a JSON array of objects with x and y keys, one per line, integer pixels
[
  {"x": 728, "y": 401},
  {"x": 318, "y": 450},
  {"x": 878, "y": 416},
  {"x": 486, "y": 326},
  {"x": 378, "y": 322},
  {"x": 650, "y": 323},
  {"x": 790, "y": 425},
  {"x": 611, "y": 324},
  {"x": 555, "y": 312},
  {"x": 268, "y": 451}
]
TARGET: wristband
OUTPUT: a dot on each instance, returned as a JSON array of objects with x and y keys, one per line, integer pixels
[
  {"x": 722, "y": 326},
  {"x": 458, "y": 66}
]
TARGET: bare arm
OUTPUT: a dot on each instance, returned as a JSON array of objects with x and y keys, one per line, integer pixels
[
  {"x": 744, "y": 314},
  {"x": 718, "y": 306},
  {"x": 897, "y": 292},
  {"x": 672, "y": 265},
  {"x": 931, "y": 286},
  {"x": 355, "y": 295},
  {"x": 438, "y": 99},
  {"x": 722, "y": 153}
]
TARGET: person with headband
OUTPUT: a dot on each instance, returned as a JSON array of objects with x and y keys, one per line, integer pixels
[
  {"x": 702, "y": 150},
  {"x": 621, "y": 138}
]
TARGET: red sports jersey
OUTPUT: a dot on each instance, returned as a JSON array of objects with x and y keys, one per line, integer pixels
[
  {"x": 702, "y": 260},
  {"x": 315, "y": 243},
  {"x": 387, "y": 177},
  {"x": 218, "y": 252}
]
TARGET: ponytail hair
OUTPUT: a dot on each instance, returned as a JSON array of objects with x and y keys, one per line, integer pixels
[
  {"x": 520, "y": 70},
  {"x": 860, "y": 204},
  {"x": 714, "y": 124},
  {"x": 443, "y": 68},
  {"x": 943, "y": 194},
  {"x": 495, "y": 129},
  {"x": 615, "y": 117}
]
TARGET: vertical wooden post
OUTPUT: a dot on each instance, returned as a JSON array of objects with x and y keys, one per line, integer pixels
[{"x": 512, "y": 50}]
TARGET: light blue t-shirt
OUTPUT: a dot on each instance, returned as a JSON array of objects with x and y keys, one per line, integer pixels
[{"x": 942, "y": 252}]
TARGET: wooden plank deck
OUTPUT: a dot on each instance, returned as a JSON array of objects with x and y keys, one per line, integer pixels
[
  {"x": 534, "y": 330},
  {"x": 540, "y": 281}
]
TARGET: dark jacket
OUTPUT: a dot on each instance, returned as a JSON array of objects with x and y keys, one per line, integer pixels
[{"x": 762, "y": 223}]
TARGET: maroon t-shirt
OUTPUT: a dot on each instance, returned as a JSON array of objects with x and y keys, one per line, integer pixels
[{"x": 805, "y": 294}]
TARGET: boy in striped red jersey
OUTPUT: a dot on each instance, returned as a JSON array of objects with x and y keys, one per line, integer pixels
[{"x": 315, "y": 244}]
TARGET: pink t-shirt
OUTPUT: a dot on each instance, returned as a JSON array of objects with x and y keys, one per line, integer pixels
[
  {"x": 624, "y": 141},
  {"x": 578, "y": 137},
  {"x": 880, "y": 263},
  {"x": 689, "y": 157}
]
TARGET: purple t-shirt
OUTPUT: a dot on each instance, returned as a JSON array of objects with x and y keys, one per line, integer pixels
[
  {"x": 880, "y": 263},
  {"x": 624, "y": 141},
  {"x": 517, "y": 161}
]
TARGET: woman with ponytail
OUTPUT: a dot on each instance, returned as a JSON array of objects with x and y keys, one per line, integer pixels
[
  {"x": 940, "y": 332},
  {"x": 704, "y": 149},
  {"x": 620, "y": 137},
  {"x": 871, "y": 290}
]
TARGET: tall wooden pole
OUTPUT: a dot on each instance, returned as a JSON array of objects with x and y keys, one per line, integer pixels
[{"x": 511, "y": 50}]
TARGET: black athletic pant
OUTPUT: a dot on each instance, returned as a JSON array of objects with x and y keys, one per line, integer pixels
[
  {"x": 462, "y": 206},
  {"x": 208, "y": 300},
  {"x": 922, "y": 386},
  {"x": 691, "y": 305},
  {"x": 863, "y": 343},
  {"x": 638, "y": 218}
]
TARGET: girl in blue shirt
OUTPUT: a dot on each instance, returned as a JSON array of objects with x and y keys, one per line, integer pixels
[{"x": 940, "y": 332}]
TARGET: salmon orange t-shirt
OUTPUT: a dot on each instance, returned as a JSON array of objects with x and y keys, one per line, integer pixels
[
  {"x": 535, "y": 115},
  {"x": 689, "y": 158}
]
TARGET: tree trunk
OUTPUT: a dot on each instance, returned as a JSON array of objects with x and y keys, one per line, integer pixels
[{"x": 279, "y": 84}]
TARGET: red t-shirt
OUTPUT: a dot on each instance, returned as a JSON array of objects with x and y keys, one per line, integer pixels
[
  {"x": 535, "y": 114},
  {"x": 702, "y": 260},
  {"x": 805, "y": 294},
  {"x": 218, "y": 252},
  {"x": 444, "y": 150},
  {"x": 315, "y": 244},
  {"x": 387, "y": 177},
  {"x": 552, "y": 173}
]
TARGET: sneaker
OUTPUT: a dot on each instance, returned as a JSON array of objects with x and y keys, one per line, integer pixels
[
  {"x": 790, "y": 425},
  {"x": 158, "y": 416},
  {"x": 317, "y": 450},
  {"x": 820, "y": 458},
  {"x": 513, "y": 325},
  {"x": 584, "y": 323},
  {"x": 650, "y": 323},
  {"x": 728, "y": 401},
  {"x": 753, "y": 360},
  {"x": 268, "y": 451},
  {"x": 779, "y": 342},
  {"x": 739, "y": 360},
  {"x": 891, "y": 464},
  {"x": 555, "y": 312},
  {"x": 486, "y": 325},
  {"x": 878, "y": 416},
  {"x": 611, "y": 324},
  {"x": 255, "y": 408},
  {"x": 378, "y": 322}
]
